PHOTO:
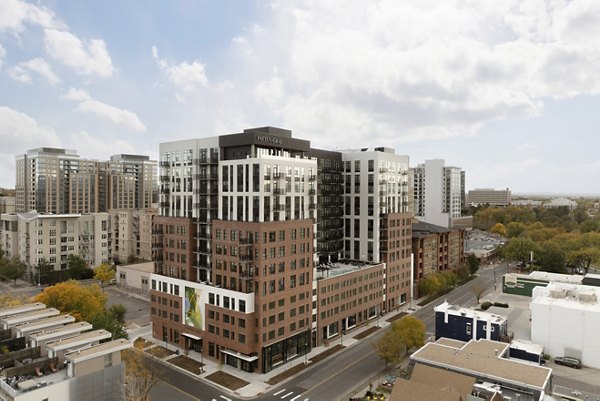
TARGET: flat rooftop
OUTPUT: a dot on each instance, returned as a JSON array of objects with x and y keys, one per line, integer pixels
[
  {"x": 478, "y": 358},
  {"x": 334, "y": 269},
  {"x": 78, "y": 340},
  {"x": 470, "y": 313},
  {"x": 97, "y": 350},
  {"x": 569, "y": 296},
  {"x": 57, "y": 331}
]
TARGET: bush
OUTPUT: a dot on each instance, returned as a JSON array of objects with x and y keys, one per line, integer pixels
[
  {"x": 500, "y": 305},
  {"x": 486, "y": 305}
]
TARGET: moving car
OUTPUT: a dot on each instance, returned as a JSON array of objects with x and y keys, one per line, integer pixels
[{"x": 568, "y": 361}]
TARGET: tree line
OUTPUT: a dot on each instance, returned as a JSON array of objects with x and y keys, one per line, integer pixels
[{"x": 558, "y": 240}]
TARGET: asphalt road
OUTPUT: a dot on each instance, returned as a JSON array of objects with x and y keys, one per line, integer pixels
[{"x": 332, "y": 379}]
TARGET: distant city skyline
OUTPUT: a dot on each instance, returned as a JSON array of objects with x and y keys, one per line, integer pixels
[{"x": 508, "y": 91}]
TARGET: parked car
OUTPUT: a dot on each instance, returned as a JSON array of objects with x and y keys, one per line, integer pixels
[{"x": 568, "y": 361}]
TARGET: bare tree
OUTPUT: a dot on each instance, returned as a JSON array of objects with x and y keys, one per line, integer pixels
[
  {"x": 478, "y": 291},
  {"x": 140, "y": 374}
]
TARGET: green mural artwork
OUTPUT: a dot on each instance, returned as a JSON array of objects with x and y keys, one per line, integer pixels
[{"x": 193, "y": 312}]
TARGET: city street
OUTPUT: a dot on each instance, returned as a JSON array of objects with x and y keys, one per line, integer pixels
[{"x": 335, "y": 378}]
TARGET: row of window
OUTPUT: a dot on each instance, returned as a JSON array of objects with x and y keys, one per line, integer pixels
[{"x": 271, "y": 236}]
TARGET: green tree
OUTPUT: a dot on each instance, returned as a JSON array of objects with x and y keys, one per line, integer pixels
[
  {"x": 552, "y": 258},
  {"x": 411, "y": 331},
  {"x": 104, "y": 273},
  {"x": 473, "y": 262},
  {"x": 13, "y": 269},
  {"x": 111, "y": 320},
  {"x": 390, "y": 347},
  {"x": 76, "y": 266},
  {"x": 518, "y": 249},
  {"x": 515, "y": 229},
  {"x": 429, "y": 284},
  {"x": 584, "y": 257},
  {"x": 43, "y": 271}
]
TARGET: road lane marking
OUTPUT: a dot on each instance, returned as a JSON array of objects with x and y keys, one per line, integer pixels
[
  {"x": 225, "y": 398},
  {"x": 287, "y": 395},
  {"x": 279, "y": 392},
  {"x": 296, "y": 397}
]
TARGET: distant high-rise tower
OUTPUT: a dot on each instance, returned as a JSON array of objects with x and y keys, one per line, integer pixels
[
  {"x": 52, "y": 180},
  {"x": 438, "y": 192}
]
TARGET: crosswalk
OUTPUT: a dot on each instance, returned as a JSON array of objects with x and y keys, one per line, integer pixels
[{"x": 285, "y": 394}]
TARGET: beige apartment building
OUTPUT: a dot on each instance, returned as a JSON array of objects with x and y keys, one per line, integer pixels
[
  {"x": 131, "y": 234},
  {"x": 34, "y": 236}
]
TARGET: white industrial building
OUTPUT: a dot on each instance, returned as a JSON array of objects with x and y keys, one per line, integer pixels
[{"x": 565, "y": 319}]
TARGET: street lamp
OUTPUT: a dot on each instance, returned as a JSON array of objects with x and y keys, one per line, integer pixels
[
  {"x": 201, "y": 360},
  {"x": 305, "y": 351}
]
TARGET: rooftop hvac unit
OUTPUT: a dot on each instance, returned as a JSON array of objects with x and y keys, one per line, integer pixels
[
  {"x": 588, "y": 297},
  {"x": 558, "y": 293}
]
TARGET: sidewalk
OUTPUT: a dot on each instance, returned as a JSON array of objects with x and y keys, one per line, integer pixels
[{"x": 257, "y": 382}]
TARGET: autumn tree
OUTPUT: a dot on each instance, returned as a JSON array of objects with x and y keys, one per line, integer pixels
[
  {"x": 83, "y": 302},
  {"x": 390, "y": 348},
  {"x": 410, "y": 330},
  {"x": 140, "y": 373},
  {"x": 104, "y": 273},
  {"x": 499, "y": 229}
]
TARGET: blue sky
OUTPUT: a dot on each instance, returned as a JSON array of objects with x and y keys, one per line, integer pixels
[{"x": 507, "y": 90}]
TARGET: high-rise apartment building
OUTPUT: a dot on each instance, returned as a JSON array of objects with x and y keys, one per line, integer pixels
[
  {"x": 52, "y": 180},
  {"x": 438, "y": 192},
  {"x": 247, "y": 219}
]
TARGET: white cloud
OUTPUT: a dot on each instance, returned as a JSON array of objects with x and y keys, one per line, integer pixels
[
  {"x": 92, "y": 146},
  {"x": 270, "y": 92},
  {"x": 22, "y": 72},
  {"x": 185, "y": 76},
  {"x": 19, "y": 132},
  {"x": 114, "y": 114},
  {"x": 76, "y": 95},
  {"x": 374, "y": 69},
  {"x": 14, "y": 14},
  {"x": 90, "y": 58}
]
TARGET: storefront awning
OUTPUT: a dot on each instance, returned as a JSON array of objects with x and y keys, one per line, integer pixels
[
  {"x": 246, "y": 358},
  {"x": 193, "y": 337}
]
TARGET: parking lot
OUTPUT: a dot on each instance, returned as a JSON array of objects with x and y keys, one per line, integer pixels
[{"x": 138, "y": 310}]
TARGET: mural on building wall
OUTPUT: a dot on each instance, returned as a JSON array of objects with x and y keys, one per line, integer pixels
[{"x": 193, "y": 307}]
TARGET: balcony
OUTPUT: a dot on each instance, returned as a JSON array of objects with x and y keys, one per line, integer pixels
[
  {"x": 278, "y": 176},
  {"x": 279, "y": 191}
]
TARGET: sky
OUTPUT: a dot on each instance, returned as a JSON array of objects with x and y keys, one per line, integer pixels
[{"x": 507, "y": 90}]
